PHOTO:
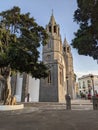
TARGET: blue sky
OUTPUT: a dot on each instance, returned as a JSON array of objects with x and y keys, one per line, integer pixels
[{"x": 63, "y": 12}]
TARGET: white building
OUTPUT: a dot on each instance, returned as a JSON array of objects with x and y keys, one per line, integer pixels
[{"x": 87, "y": 84}]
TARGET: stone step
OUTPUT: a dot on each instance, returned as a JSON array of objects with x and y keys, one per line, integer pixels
[
  {"x": 42, "y": 103},
  {"x": 39, "y": 104}
]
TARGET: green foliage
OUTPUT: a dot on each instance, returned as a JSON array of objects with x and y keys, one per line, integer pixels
[
  {"x": 86, "y": 37},
  {"x": 20, "y": 38}
]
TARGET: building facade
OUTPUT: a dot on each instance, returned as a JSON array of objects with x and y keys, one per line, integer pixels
[
  {"x": 88, "y": 85},
  {"x": 58, "y": 58}
]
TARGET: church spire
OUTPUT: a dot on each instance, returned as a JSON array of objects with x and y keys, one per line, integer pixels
[
  {"x": 66, "y": 46},
  {"x": 52, "y": 11},
  {"x": 52, "y": 19},
  {"x": 53, "y": 28},
  {"x": 65, "y": 42}
]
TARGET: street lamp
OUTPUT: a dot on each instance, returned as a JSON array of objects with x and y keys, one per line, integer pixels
[
  {"x": 68, "y": 98},
  {"x": 95, "y": 100},
  {"x": 67, "y": 84}
]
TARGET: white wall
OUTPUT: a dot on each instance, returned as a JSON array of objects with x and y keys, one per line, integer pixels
[
  {"x": 34, "y": 89},
  {"x": 18, "y": 87},
  {"x": 96, "y": 83}
]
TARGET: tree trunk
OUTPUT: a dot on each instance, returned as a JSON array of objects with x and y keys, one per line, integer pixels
[
  {"x": 6, "y": 80},
  {"x": 7, "y": 88}
]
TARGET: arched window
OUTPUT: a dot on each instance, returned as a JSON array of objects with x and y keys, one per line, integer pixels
[
  {"x": 49, "y": 44},
  {"x": 49, "y": 77},
  {"x": 49, "y": 28},
  {"x": 88, "y": 81},
  {"x": 61, "y": 76},
  {"x": 83, "y": 85},
  {"x": 79, "y": 85},
  {"x": 64, "y": 49},
  {"x": 67, "y": 49},
  {"x": 54, "y": 29}
]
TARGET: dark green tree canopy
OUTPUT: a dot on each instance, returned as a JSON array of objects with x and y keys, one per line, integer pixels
[
  {"x": 20, "y": 38},
  {"x": 86, "y": 37}
]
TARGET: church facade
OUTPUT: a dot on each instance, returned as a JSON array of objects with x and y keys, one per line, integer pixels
[{"x": 58, "y": 58}]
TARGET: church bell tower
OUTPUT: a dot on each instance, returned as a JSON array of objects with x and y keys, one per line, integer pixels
[
  {"x": 52, "y": 88},
  {"x": 69, "y": 68}
]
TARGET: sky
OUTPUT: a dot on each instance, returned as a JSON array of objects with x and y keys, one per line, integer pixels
[{"x": 63, "y": 11}]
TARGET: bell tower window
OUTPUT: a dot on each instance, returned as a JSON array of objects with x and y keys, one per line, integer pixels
[
  {"x": 54, "y": 29},
  {"x": 49, "y": 28},
  {"x": 64, "y": 49},
  {"x": 67, "y": 49}
]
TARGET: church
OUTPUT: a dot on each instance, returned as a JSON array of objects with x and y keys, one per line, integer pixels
[{"x": 58, "y": 58}]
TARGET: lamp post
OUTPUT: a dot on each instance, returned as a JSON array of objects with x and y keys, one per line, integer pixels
[
  {"x": 68, "y": 98},
  {"x": 92, "y": 78},
  {"x": 67, "y": 84}
]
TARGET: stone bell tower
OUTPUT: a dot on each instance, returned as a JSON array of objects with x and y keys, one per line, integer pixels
[
  {"x": 69, "y": 67},
  {"x": 52, "y": 89}
]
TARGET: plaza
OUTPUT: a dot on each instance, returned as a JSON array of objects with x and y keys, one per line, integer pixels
[
  {"x": 45, "y": 46},
  {"x": 51, "y": 116}
]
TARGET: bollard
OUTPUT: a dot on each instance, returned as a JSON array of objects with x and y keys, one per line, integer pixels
[
  {"x": 68, "y": 101},
  {"x": 95, "y": 103}
]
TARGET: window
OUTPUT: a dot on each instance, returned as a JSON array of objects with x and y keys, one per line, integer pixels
[
  {"x": 49, "y": 28},
  {"x": 49, "y": 43},
  {"x": 61, "y": 76},
  {"x": 49, "y": 77},
  {"x": 79, "y": 85},
  {"x": 54, "y": 29},
  {"x": 64, "y": 49},
  {"x": 88, "y": 81},
  {"x": 83, "y": 85},
  {"x": 68, "y": 49}
]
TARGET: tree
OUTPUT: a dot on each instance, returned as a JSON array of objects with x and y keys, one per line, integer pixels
[
  {"x": 20, "y": 38},
  {"x": 86, "y": 37}
]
